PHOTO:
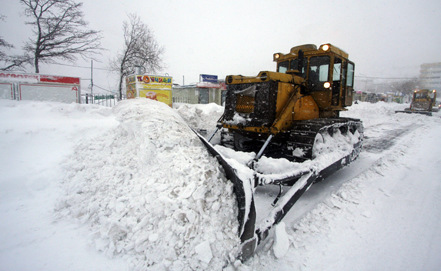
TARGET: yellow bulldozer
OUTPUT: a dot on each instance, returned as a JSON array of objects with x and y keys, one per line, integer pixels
[
  {"x": 288, "y": 114},
  {"x": 423, "y": 102}
]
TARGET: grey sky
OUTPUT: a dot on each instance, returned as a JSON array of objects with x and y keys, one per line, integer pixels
[{"x": 383, "y": 38}]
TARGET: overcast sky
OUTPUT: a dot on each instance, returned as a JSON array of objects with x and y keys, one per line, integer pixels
[{"x": 384, "y": 38}]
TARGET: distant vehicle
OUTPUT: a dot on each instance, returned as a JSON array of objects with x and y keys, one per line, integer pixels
[
  {"x": 437, "y": 106},
  {"x": 423, "y": 102}
]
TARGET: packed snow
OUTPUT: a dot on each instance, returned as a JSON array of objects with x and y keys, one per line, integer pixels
[{"x": 85, "y": 187}]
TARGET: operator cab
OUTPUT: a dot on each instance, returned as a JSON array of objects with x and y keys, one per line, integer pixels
[{"x": 325, "y": 70}]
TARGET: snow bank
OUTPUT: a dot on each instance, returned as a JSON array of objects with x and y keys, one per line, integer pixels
[
  {"x": 201, "y": 117},
  {"x": 150, "y": 192},
  {"x": 142, "y": 189},
  {"x": 35, "y": 137}
]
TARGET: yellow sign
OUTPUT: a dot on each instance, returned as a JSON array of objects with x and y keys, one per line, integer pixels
[
  {"x": 154, "y": 87},
  {"x": 164, "y": 96},
  {"x": 154, "y": 82}
]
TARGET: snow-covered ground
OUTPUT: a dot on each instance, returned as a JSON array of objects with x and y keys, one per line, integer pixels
[{"x": 85, "y": 187}]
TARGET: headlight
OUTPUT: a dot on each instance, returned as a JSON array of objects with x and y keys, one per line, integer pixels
[
  {"x": 325, "y": 47},
  {"x": 327, "y": 85},
  {"x": 276, "y": 56}
]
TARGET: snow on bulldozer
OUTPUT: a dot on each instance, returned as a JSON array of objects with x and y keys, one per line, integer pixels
[
  {"x": 423, "y": 102},
  {"x": 289, "y": 117}
]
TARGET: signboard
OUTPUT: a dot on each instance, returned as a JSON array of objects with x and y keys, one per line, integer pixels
[
  {"x": 40, "y": 87},
  {"x": 38, "y": 78},
  {"x": 22, "y": 78},
  {"x": 154, "y": 82},
  {"x": 208, "y": 78},
  {"x": 153, "y": 87},
  {"x": 164, "y": 96},
  {"x": 104, "y": 97}
]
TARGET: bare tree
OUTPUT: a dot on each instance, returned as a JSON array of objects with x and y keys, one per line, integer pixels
[
  {"x": 140, "y": 50},
  {"x": 9, "y": 62},
  {"x": 404, "y": 86},
  {"x": 4, "y": 45},
  {"x": 60, "y": 32}
]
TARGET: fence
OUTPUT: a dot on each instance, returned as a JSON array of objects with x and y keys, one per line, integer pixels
[{"x": 104, "y": 100}]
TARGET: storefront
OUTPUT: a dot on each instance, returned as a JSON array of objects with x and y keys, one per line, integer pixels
[
  {"x": 39, "y": 87},
  {"x": 153, "y": 87}
]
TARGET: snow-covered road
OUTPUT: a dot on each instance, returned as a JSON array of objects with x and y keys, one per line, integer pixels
[{"x": 379, "y": 213}]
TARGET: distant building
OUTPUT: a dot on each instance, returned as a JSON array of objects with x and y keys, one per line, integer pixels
[
  {"x": 200, "y": 93},
  {"x": 430, "y": 76},
  {"x": 208, "y": 90}
]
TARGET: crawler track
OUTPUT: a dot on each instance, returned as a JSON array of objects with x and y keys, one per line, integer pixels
[{"x": 299, "y": 144}]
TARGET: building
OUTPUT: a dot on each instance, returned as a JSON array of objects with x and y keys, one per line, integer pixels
[
  {"x": 430, "y": 76},
  {"x": 209, "y": 90},
  {"x": 200, "y": 93},
  {"x": 39, "y": 87}
]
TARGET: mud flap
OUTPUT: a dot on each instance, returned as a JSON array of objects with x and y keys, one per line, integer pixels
[{"x": 245, "y": 201}]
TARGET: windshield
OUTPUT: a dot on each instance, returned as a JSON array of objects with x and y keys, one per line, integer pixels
[
  {"x": 319, "y": 69},
  {"x": 283, "y": 66},
  {"x": 295, "y": 65}
]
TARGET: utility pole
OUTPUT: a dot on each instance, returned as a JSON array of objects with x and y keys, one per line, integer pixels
[{"x": 91, "y": 78}]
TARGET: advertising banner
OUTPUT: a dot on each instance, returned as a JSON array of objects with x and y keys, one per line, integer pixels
[
  {"x": 154, "y": 82},
  {"x": 38, "y": 78},
  {"x": 164, "y": 96},
  {"x": 208, "y": 78},
  {"x": 153, "y": 87}
]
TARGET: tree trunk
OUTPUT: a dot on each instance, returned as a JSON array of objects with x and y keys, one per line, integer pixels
[
  {"x": 37, "y": 69},
  {"x": 120, "y": 86}
]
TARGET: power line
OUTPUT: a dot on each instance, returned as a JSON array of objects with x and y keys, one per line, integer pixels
[{"x": 83, "y": 67}]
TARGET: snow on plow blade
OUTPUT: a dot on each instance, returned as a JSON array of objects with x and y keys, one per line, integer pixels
[
  {"x": 428, "y": 113},
  {"x": 249, "y": 234},
  {"x": 244, "y": 196}
]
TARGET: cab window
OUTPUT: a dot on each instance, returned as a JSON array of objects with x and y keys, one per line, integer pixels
[
  {"x": 319, "y": 69},
  {"x": 350, "y": 77},
  {"x": 294, "y": 65},
  {"x": 337, "y": 70},
  {"x": 283, "y": 66}
]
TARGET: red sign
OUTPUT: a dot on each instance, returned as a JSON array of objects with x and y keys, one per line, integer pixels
[
  {"x": 37, "y": 78},
  {"x": 59, "y": 79}
]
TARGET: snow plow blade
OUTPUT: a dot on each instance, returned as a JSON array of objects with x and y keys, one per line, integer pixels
[
  {"x": 247, "y": 211},
  {"x": 249, "y": 234},
  {"x": 428, "y": 113}
]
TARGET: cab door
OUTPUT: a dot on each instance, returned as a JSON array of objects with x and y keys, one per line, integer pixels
[
  {"x": 342, "y": 82},
  {"x": 349, "y": 83},
  {"x": 338, "y": 86}
]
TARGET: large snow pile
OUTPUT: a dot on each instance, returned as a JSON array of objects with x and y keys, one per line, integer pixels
[{"x": 149, "y": 190}]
